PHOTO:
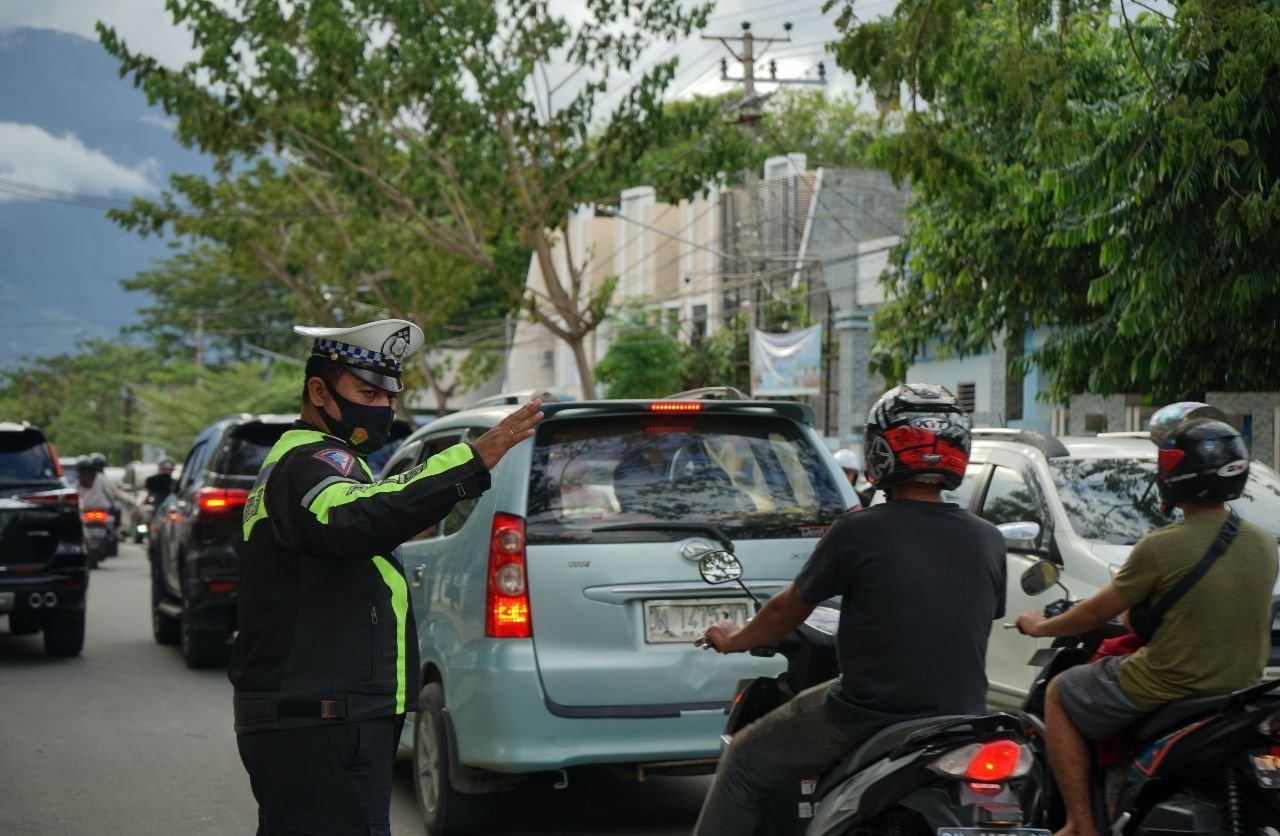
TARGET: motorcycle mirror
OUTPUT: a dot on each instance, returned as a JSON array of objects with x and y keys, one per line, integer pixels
[
  {"x": 719, "y": 567},
  {"x": 1042, "y": 575}
]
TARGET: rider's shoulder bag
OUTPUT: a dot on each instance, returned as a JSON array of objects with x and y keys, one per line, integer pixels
[{"x": 1145, "y": 617}]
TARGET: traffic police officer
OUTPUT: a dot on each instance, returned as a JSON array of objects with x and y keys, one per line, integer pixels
[{"x": 326, "y": 661}]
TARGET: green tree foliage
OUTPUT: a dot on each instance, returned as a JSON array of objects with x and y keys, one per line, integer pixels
[
  {"x": 79, "y": 400},
  {"x": 1111, "y": 180},
  {"x": 436, "y": 117},
  {"x": 180, "y": 401},
  {"x": 112, "y": 397},
  {"x": 644, "y": 360}
]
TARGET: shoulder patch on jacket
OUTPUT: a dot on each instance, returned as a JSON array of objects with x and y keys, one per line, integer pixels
[{"x": 341, "y": 460}]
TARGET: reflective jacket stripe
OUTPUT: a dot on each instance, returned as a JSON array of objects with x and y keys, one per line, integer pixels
[
  {"x": 400, "y": 606},
  {"x": 255, "y": 507},
  {"x": 348, "y": 491}
]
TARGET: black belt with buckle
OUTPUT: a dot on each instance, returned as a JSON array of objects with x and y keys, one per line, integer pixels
[
  {"x": 310, "y": 709},
  {"x": 254, "y": 711}
]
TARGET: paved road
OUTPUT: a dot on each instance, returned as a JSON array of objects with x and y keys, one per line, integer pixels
[{"x": 127, "y": 740}]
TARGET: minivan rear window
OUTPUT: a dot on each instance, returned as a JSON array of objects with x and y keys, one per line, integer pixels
[
  {"x": 755, "y": 476},
  {"x": 24, "y": 457},
  {"x": 247, "y": 448}
]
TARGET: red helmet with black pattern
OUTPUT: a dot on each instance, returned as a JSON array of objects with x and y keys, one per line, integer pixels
[{"x": 917, "y": 432}]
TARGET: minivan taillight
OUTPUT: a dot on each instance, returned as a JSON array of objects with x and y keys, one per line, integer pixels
[
  {"x": 215, "y": 500},
  {"x": 507, "y": 599}
]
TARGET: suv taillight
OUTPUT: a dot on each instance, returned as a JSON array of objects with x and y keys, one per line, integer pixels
[
  {"x": 218, "y": 500},
  {"x": 507, "y": 599}
]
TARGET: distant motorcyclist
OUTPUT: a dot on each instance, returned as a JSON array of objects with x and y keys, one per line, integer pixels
[
  {"x": 1217, "y": 636},
  {"x": 922, "y": 580},
  {"x": 160, "y": 484},
  {"x": 95, "y": 489}
]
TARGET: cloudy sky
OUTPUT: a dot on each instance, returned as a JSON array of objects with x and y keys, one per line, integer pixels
[{"x": 30, "y": 155}]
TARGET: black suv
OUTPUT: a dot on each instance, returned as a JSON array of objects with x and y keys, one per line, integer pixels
[
  {"x": 194, "y": 566},
  {"x": 43, "y": 571}
]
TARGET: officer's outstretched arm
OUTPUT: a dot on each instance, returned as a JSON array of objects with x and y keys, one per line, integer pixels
[{"x": 345, "y": 518}]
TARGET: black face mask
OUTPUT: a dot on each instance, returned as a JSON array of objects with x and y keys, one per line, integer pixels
[{"x": 365, "y": 428}]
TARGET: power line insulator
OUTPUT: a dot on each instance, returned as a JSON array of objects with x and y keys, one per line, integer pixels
[
  {"x": 773, "y": 68},
  {"x": 822, "y": 70},
  {"x": 746, "y": 26},
  {"x": 724, "y": 68}
]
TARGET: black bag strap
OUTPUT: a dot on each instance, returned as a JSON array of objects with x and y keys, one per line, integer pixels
[{"x": 1221, "y": 543}]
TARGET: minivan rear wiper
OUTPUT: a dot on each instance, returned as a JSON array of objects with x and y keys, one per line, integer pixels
[{"x": 712, "y": 531}]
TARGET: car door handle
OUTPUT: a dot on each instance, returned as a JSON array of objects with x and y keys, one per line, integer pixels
[{"x": 418, "y": 572}]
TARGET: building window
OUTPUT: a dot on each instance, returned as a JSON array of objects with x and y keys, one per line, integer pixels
[
  {"x": 966, "y": 395},
  {"x": 698, "y": 326}
]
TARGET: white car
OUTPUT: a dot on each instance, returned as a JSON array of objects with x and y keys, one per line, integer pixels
[{"x": 1087, "y": 500}]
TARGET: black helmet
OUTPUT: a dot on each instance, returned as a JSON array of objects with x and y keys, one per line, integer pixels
[
  {"x": 165, "y": 465},
  {"x": 1202, "y": 458},
  {"x": 99, "y": 461},
  {"x": 84, "y": 463},
  {"x": 917, "y": 431}
]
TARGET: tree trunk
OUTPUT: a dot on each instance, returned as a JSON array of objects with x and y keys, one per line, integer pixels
[{"x": 586, "y": 375}]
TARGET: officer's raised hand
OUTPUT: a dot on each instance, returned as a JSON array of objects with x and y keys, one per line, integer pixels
[{"x": 512, "y": 430}]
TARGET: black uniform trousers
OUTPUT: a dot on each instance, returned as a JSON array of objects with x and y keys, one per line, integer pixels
[{"x": 327, "y": 780}]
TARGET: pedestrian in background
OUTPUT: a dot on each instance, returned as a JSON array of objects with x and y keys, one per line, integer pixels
[
  {"x": 851, "y": 463},
  {"x": 325, "y": 664}
]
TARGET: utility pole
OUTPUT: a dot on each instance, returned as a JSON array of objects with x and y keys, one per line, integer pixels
[{"x": 749, "y": 116}]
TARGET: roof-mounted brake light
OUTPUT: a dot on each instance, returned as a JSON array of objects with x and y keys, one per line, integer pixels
[{"x": 674, "y": 406}]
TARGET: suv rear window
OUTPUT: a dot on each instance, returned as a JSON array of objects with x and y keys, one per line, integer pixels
[
  {"x": 757, "y": 477},
  {"x": 247, "y": 448},
  {"x": 25, "y": 457}
]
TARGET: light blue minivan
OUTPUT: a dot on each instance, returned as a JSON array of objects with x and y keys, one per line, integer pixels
[{"x": 556, "y": 613}]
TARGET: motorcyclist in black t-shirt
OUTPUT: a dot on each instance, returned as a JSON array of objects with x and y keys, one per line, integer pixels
[{"x": 921, "y": 581}]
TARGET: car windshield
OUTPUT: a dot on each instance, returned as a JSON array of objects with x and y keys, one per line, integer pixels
[
  {"x": 24, "y": 457},
  {"x": 1115, "y": 501},
  {"x": 756, "y": 477}
]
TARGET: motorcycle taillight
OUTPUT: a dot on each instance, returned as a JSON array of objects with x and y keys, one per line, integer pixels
[
  {"x": 991, "y": 762},
  {"x": 95, "y": 516}
]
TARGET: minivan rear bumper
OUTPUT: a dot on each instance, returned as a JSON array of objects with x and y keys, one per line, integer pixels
[{"x": 503, "y": 723}]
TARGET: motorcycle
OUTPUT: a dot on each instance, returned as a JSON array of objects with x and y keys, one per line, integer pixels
[
  {"x": 99, "y": 535},
  {"x": 1206, "y": 764},
  {"x": 944, "y": 776}
]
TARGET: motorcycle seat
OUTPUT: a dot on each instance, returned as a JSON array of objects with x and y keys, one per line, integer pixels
[
  {"x": 1177, "y": 713},
  {"x": 881, "y": 744}
]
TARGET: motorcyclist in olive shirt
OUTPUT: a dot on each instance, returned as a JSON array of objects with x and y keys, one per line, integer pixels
[{"x": 1216, "y": 637}]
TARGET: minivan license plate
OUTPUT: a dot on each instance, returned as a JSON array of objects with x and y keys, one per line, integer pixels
[{"x": 686, "y": 620}]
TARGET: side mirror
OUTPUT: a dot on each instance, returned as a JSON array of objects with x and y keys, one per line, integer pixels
[
  {"x": 719, "y": 567},
  {"x": 1021, "y": 537},
  {"x": 1042, "y": 575}
]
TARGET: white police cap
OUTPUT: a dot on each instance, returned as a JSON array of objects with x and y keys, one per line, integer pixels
[{"x": 374, "y": 352}]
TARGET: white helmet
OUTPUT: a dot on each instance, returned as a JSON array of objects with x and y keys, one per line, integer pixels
[{"x": 849, "y": 460}]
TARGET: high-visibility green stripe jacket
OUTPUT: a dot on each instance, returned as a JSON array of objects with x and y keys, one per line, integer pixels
[{"x": 326, "y": 624}]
